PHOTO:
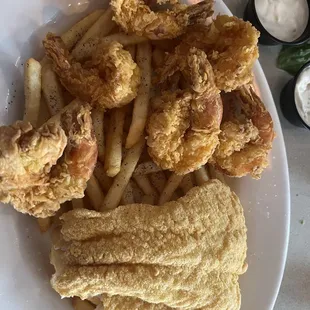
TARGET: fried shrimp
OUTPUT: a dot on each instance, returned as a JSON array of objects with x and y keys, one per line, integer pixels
[
  {"x": 40, "y": 169},
  {"x": 134, "y": 16},
  {"x": 109, "y": 80},
  {"x": 184, "y": 127},
  {"x": 246, "y": 136},
  {"x": 231, "y": 46}
]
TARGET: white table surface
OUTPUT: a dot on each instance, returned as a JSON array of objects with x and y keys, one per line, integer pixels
[{"x": 295, "y": 288}]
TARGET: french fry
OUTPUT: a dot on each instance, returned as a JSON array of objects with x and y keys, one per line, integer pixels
[
  {"x": 77, "y": 31},
  {"x": 87, "y": 202},
  {"x": 215, "y": 174},
  {"x": 86, "y": 50},
  {"x": 128, "y": 197},
  {"x": 100, "y": 28},
  {"x": 113, "y": 158},
  {"x": 44, "y": 114},
  {"x": 201, "y": 176},
  {"x": 187, "y": 183},
  {"x": 120, "y": 182},
  {"x": 127, "y": 122},
  {"x": 78, "y": 203},
  {"x": 171, "y": 185},
  {"x": 145, "y": 156},
  {"x": 52, "y": 90},
  {"x": 94, "y": 193},
  {"x": 104, "y": 181},
  {"x": 146, "y": 168},
  {"x": 137, "y": 192},
  {"x": 109, "y": 129},
  {"x": 45, "y": 61},
  {"x": 148, "y": 199},
  {"x": 33, "y": 101},
  {"x": 32, "y": 86},
  {"x": 95, "y": 300},
  {"x": 124, "y": 39},
  {"x": 98, "y": 123},
  {"x": 141, "y": 103},
  {"x": 158, "y": 180},
  {"x": 44, "y": 224},
  {"x": 79, "y": 304},
  {"x": 145, "y": 184}
]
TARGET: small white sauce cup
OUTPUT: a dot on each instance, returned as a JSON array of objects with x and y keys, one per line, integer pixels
[
  {"x": 250, "y": 14},
  {"x": 288, "y": 103}
]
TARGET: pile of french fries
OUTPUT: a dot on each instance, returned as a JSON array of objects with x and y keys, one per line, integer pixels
[{"x": 124, "y": 173}]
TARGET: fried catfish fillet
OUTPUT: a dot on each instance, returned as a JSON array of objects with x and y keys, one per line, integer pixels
[{"x": 186, "y": 254}]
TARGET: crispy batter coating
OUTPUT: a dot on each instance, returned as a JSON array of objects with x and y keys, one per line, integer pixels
[
  {"x": 109, "y": 80},
  {"x": 134, "y": 16},
  {"x": 27, "y": 153},
  {"x": 118, "y": 302},
  {"x": 183, "y": 129},
  {"x": 231, "y": 46},
  {"x": 40, "y": 169},
  {"x": 186, "y": 254},
  {"x": 246, "y": 136}
]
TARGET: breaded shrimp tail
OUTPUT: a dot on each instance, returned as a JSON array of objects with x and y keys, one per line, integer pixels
[
  {"x": 231, "y": 46},
  {"x": 184, "y": 127},
  {"x": 134, "y": 16},
  {"x": 42, "y": 168},
  {"x": 246, "y": 136},
  {"x": 109, "y": 79}
]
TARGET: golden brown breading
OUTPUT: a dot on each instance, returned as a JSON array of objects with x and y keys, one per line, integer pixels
[
  {"x": 231, "y": 46},
  {"x": 118, "y": 302},
  {"x": 27, "y": 153},
  {"x": 109, "y": 80},
  {"x": 40, "y": 169},
  {"x": 134, "y": 16},
  {"x": 187, "y": 253},
  {"x": 234, "y": 136},
  {"x": 183, "y": 129},
  {"x": 247, "y": 135}
]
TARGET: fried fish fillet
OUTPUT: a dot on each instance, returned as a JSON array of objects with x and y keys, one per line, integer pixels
[{"x": 186, "y": 254}]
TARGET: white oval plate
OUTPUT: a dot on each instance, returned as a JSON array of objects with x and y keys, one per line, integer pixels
[{"x": 24, "y": 265}]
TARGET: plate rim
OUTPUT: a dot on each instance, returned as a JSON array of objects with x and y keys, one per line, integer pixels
[
  {"x": 264, "y": 85},
  {"x": 285, "y": 224}
]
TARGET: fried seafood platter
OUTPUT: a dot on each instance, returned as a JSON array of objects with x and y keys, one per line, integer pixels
[{"x": 150, "y": 111}]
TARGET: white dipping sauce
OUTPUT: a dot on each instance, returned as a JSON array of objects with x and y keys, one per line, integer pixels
[
  {"x": 302, "y": 95},
  {"x": 284, "y": 19}
]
